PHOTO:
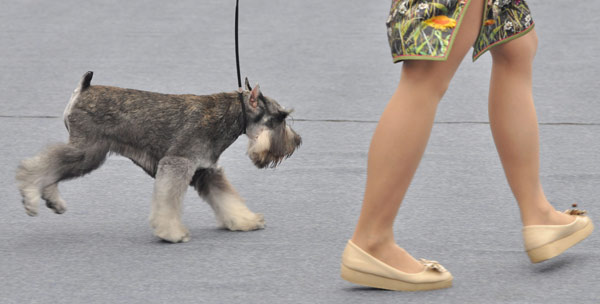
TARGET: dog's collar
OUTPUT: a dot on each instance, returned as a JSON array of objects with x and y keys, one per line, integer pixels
[{"x": 244, "y": 122}]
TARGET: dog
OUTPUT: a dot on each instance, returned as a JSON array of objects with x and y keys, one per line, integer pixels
[{"x": 176, "y": 139}]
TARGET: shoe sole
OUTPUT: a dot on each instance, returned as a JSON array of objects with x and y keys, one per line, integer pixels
[
  {"x": 376, "y": 281},
  {"x": 557, "y": 247}
]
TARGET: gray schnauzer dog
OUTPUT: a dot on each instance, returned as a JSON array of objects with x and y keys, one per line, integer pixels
[{"x": 176, "y": 139}]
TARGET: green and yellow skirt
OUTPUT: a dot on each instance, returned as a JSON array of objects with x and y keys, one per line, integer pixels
[{"x": 425, "y": 29}]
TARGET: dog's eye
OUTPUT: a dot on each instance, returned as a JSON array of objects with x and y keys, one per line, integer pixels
[
  {"x": 281, "y": 116},
  {"x": 273, "y": 122},
  {"x": 276, "y": 120}
]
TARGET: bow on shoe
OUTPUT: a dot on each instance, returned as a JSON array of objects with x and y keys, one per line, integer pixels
[
  {"x": 433, "y": 265},
  {"x": 575, "y": 211}
]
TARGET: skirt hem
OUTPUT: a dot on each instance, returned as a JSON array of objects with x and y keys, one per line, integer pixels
[
  {"x": 503, "y": 41},
  {"x": 400, "y": 58}
]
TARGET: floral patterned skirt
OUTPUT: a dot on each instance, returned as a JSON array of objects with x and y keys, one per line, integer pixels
[{"x": 425, "y": 29}]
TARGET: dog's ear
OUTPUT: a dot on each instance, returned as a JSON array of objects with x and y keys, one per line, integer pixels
[
  {"x": 248, "y": 85},
  {"x": 254, "y": 94}
]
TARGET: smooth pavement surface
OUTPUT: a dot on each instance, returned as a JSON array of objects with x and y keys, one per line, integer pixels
[{"x": 329, "y": 60}]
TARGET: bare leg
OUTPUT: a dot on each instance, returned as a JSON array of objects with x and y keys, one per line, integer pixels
[
  {"x": 399, "y": 142},
  {"x": 515, "y": 129}
]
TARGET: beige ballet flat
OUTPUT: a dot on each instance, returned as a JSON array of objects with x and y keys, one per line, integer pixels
[
  {"x": 361, "y": 268},
  {"x": 543, "y": 242}
]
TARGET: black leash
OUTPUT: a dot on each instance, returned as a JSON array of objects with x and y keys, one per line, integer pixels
[
  {"x": 237, "y": 52},
  {"x": 239, "y": 77}
]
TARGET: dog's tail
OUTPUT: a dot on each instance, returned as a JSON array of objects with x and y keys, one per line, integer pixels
[{"x": 84, "y": 83}]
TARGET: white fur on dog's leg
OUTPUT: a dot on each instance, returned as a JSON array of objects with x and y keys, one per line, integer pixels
[
  {"x": 246, "y": 221},
  {"x": 171, "y": 182},
  {"x": 31, "y": 200},
  {"x": 30, "y": 178},
  {"x": 171, "y": 231},
  {"x": 232, "y": 213},
  {"x": 53, "y": 199},
  {"x": 169, "y": 228}
]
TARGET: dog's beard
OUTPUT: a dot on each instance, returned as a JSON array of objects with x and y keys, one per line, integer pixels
[
  {"x": 266, "y": 160},
  {"x": 259, "y": 153},
  {"x": 265, "y": 152}
]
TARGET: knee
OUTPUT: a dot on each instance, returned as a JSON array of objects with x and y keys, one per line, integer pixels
[
  {"x": 517, "y": 52},
  {"x": 425, "y": 80}
]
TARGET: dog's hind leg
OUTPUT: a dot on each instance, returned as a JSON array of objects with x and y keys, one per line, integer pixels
[
  {"x": 38, "y": 176},
  {"x": 172, "y": 179},
  {"x": 230, "y": 209},
  {"x": 53, "y": 200}
]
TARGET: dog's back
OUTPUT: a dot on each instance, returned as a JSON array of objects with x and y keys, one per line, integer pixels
[
  {"x": 144, "y": 126},
  {"x": 145, "y": 120}
]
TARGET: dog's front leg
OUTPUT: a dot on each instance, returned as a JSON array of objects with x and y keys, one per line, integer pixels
[
  {"x": 172, "y": 179},
  {"x": 229, "y": 207}
]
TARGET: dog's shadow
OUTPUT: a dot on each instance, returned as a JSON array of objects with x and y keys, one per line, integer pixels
[{"x": 209, "y": 234}]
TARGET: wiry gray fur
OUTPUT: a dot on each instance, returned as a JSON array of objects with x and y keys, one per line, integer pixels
[{"x": 177, "y": 139}]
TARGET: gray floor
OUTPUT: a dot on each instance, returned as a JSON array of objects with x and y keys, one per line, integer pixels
[{"x": 330, "y": 61}]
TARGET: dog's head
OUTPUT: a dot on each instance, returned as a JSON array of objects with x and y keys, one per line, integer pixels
[{"x": 271, "y": 139}]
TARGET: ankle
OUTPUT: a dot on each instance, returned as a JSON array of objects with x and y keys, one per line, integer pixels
[
  {"x": 374, "y": 242},
  {"x": 536, "y": 217},
  {"x": 548, "y": 216}
]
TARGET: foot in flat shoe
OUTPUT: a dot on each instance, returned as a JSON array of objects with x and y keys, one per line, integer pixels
[
  {"x": 394, "y": 256},
  {"x": 543, "y": 242},
  {"x": 360, "y": 267},
  {"x": 561, "y": 218}
]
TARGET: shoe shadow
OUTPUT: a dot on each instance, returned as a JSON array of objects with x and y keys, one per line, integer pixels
[
  {"x": 365, "y": 289},
  {"x": 553, "y": 265}
]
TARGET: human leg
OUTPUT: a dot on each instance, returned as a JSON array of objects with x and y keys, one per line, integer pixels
[
  {"x": 546, "y": 232},
  {"x": 399, "y": 142},
  {"x": 514, "y": 125}
]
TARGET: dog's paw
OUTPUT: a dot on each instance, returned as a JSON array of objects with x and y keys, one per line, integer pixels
[
  {"x": 59, "y": 206},
  {"x": 31, "y": 207},
  {"x": 172, "y": 232},
  {"x": 31, "y": 200},
  {"x": 245, "y": 222}
]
